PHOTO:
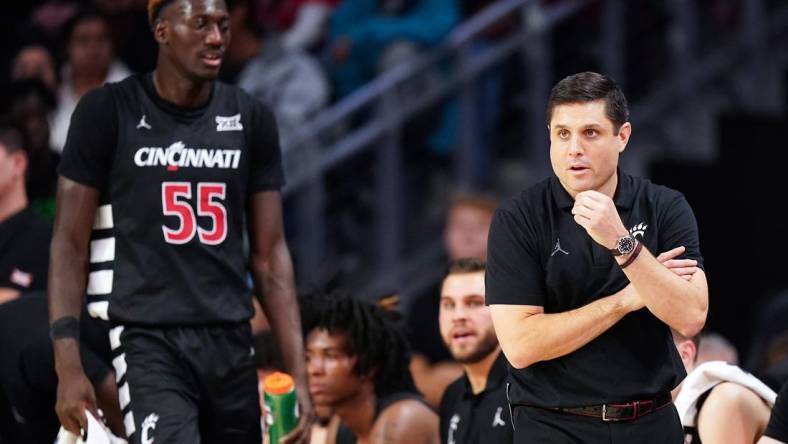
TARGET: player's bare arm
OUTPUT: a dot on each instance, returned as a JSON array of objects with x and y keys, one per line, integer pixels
[
  {"x": 528, "y": 335},
  {"x": 682, "y": 304},
  {"x": 731, "y": 414},
  {"x": 272, "y": 271},
  {"x": 406, "y": 422},
  {"x": 76, "y": 207}
]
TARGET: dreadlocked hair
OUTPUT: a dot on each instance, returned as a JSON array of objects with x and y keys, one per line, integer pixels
[
  {"x": 371, "y": 335},
  {"x": 155, "y": 7}
]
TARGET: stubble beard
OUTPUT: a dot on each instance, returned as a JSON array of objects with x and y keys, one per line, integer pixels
[{"x": 486, "y": 345}]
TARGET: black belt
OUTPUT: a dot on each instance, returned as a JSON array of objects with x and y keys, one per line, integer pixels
[{"x": 620, "y": 412}]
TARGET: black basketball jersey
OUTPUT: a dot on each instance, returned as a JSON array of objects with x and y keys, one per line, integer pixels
[{"x": 168, "y": 242}]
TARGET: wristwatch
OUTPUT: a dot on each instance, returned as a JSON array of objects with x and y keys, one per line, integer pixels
[{"x": 624, "y": 245}]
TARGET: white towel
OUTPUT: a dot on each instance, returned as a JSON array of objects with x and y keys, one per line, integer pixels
[
  {"x": 705, "y": 377},
  {"x": 97, "y": 433}
]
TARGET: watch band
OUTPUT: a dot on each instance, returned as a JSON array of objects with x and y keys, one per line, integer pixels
[{"x": 632, "y": 256}]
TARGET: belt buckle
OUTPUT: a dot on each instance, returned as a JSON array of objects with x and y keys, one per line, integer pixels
[{"x": 634, "y": 416}]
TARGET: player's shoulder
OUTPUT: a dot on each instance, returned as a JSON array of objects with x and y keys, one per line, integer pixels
[
  {"x": 406, "y": 421},
  {"x": 254, "y": 113},
  {"x": 729, "y": 394},
  {"x": 105, "y": 97},
  {"x": 407, "y": 411}
]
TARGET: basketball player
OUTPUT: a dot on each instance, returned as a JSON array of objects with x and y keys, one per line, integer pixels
[{"x": 169, "y": 169}]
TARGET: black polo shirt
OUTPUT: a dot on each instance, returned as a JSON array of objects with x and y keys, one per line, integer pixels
[
  {"x": 469, "y": 418},
  {"x": 538, "y": 255},
  {"x": 24, "y": 251}
]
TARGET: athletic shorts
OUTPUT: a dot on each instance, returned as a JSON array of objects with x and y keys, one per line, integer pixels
[{"x": 195, "y": 384}]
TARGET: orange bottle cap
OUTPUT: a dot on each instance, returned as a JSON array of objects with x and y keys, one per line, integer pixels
[{"x": 278, "y": 383}]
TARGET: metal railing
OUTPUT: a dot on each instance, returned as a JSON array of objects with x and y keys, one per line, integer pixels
[{"x": 325, "y": 142}]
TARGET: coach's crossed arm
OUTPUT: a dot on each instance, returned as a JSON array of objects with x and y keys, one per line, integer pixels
[
  {"x": 681, "y": 304},
  {"x": 528, "y": 335}
]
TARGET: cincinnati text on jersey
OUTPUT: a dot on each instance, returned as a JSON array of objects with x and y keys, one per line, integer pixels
[{"x": 178, "y": 156}]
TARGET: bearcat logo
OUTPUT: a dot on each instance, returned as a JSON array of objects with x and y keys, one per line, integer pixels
[
  {"x": 178, "y": 156},
  {"x": 148, "y": 425},
  {"x": 638, "y": 230}
]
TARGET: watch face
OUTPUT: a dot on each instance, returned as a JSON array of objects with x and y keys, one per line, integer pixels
[{"x": 626, "y": 245}]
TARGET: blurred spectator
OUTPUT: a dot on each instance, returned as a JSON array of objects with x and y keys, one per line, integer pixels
[
  {"x": 24, "y": 236},
  {"x": 467, "y": 226},
  {"x": 357, "y": 362},
  {"x": 289, "y": 81},
  {"x": 90, "y": 64},
  {"x": 715, "y": 347},
  {"x": 52, "y": 15},
  {"x": 246, "y": 41},
  {"x": 301, "y": 23},
  {"x": 775, "y": 370},
  {"x": 28, "y": 382},
  {"x": 132, "y": 40},
  {"x": 369, "y": 36},
  {"x": 465, "y": 236},
  {"x": 719, "y": 403},
  {"x": 30, "y": 104},
  {"x": 35, "y": 62}
]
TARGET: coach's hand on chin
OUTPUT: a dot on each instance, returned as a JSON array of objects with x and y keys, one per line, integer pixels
[{"x": 597, "y": 213}]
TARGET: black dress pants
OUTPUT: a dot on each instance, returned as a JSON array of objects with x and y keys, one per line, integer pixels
[{"x": 533, "y": 425}]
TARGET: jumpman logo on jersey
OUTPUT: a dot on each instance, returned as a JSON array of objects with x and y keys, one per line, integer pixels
[
  {"x": 558, "y": 248},
  {"x": 497, "y": 421},
  {"x": 454, "y": 424},
  {"x": 143, "y": 123}
]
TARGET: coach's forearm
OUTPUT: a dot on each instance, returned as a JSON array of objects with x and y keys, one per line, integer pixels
[
  {"x": 681, "y": 304},
  {"x": 527, "y": 339},
  {"x": 275, "y": 287}
]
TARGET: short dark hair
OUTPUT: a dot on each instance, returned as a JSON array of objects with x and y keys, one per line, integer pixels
[
  {"x": 10, "y": 137},
  {"x": 83, "y": 14},
  {"x": 589, "y": 87},
  {"x": 155, "y": 7},
  {"x": 465, "y": 265},
  {"x": 371, "y": 336}
]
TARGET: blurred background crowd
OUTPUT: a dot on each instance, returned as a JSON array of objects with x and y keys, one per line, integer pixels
[{"x": 403, "y": 122}]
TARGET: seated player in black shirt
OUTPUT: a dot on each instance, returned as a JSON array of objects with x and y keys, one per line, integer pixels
[
  {"x": 474, "y": 408},
  {"x": 357, "y": 361},
  {"x": 24, "y": 235},
  {"x": 28, "y": 383}
]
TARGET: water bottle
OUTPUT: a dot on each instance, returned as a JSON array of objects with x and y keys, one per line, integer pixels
[{"x": 281, "y": 406}]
